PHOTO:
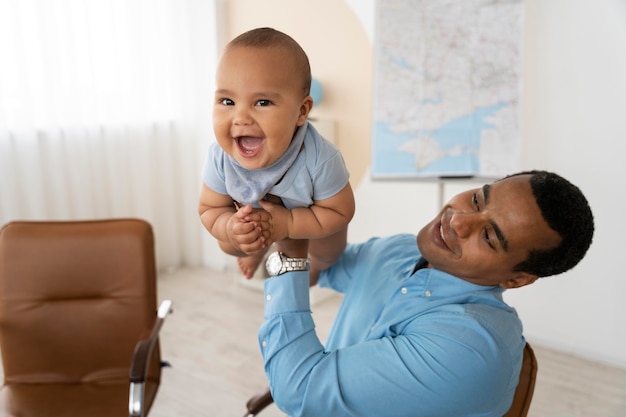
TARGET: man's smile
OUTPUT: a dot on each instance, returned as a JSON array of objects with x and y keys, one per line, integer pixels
[
  {"x": 439, "y": 234},
  {"x": 442, "y": 235}
]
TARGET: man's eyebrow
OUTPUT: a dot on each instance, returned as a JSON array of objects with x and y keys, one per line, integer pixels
[
  {"x": 503, "y": 242},
  {"x": 486, "y": 190}
]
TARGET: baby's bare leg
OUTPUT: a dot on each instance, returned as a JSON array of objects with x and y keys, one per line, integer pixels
[
  {"x": 249, "y": 264},
  {"x": 324, "y": 252}
]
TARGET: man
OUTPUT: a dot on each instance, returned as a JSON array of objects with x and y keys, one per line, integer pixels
[{"x": 423, "y": 329}]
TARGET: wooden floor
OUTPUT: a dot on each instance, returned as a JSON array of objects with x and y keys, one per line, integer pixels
[{"x": 216, "y": 365}]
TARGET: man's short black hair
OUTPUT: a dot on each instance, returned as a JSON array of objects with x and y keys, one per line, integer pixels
[{"x": 567, "y": 211}]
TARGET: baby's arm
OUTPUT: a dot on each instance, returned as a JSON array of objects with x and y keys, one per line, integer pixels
[
  {"x": 239, "y": 232},
  {"x": 321, "y": 219}
]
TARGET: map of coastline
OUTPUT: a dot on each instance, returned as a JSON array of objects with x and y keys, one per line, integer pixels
[{"x": 446, "y": 89}]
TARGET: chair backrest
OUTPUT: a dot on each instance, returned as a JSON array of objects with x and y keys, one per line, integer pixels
[
  {"x": 526, "y": 385},
  {"x": 74, "y": 299}
]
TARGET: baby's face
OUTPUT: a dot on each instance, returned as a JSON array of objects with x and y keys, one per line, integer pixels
[{"x": 259, "y": 104}]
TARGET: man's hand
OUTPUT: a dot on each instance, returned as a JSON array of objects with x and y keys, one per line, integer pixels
[{"x": 249, "y": 230}]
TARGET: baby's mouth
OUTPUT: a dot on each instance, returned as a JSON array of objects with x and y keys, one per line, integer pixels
[{"x": 249, "y": 145}]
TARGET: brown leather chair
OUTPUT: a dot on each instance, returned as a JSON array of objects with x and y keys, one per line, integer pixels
[
  {"x": 78, "y": 318},
  {"x": 519, "y": 408},
  {"x": 526, "y": 385}
]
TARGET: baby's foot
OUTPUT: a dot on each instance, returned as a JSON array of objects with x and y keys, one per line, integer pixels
[{"x": 249, "y": 264}]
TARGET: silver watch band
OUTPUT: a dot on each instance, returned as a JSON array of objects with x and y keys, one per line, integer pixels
[
  {"x": 278, "y": 263},
  {"x": 296, "y": 264}
]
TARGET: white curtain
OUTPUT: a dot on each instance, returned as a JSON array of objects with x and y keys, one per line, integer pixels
[{"x": 105, "y": 112}]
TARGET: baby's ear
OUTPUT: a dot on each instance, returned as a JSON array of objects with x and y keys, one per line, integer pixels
[
  {"x": 520, "y": 280},
  {"x": 305, "y": 109}
]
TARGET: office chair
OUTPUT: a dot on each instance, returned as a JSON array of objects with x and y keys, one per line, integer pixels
[
  {"x": 526, "y": 385},
  {"x": 519, "y": 408},
  {"x": 78, "y": 318}
]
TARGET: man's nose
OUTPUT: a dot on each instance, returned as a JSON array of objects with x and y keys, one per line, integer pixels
[{"x": 465, "y": 223}]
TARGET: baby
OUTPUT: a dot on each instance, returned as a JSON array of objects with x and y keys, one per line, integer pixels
[{"x": 271, "y": 177}]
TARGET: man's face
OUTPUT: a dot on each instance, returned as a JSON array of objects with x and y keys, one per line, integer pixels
[{"x": 482, "y": 234}]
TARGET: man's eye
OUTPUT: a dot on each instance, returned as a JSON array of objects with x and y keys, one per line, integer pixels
[
  {"x": 488, "y": 240},
  {"x": 226, "y": 101},
  {"x": 263, "y": 102},
  {"x": 475, "y": 201}
]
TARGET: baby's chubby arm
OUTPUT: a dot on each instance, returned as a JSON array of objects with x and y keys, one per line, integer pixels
[
  {"x": 322, "y": 218},
  {"x": 239, "y": 232}
]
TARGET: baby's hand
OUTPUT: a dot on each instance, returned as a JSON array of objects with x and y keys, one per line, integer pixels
[
  {"x": 278, "y": 220},
  {"x": 255, "y": 215},
  {"x": 247, "y": 230}
]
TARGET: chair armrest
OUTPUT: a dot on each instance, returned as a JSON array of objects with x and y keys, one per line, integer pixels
[
  {"x": 143, "y": 348},
  {"x": 141, "y": 360},
  {"x": 259, "y": 402}
]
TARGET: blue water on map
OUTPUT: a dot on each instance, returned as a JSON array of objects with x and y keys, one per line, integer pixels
[{"x": 464, "y": 132}]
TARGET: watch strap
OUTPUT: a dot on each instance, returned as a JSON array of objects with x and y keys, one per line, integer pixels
[{"x": 295, "y": 264}]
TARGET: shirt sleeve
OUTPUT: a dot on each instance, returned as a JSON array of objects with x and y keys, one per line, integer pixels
[
  {"x": 330, "y": 177},
  {"x": 213, "y": 169},
  {"x": 440, "y": 366},
  {"x": 339, "y": 276}
]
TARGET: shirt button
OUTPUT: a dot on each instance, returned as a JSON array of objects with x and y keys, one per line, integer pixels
[
  {"x": 404, "y": 290},
  {"x": 269, "y": 297},
  {"x": 427, "y": 293},
  {"x": 264, "y": 343}
]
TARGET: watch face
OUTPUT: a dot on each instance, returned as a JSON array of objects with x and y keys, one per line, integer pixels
[{"x": 273, "y": 264}]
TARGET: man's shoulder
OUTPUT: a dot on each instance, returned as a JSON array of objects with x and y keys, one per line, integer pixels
[
  {"x": 399, "y": 242},
  {"x": 407, "y": 240},
  {"x": 386, "y": 250}
]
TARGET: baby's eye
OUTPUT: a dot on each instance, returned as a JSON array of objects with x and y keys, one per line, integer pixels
[
  {"x": 226, "y": 101},
  {"x": 263, "y": 102}
]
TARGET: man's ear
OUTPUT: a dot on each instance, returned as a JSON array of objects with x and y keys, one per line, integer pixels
[{"x": 520, "y": 280}]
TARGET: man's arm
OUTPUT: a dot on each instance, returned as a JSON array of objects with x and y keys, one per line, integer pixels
[
  {"x": 321, "y": 219},
  {"x": 427, "y": 370}
]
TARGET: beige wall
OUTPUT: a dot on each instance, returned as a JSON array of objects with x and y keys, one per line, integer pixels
[{"x": 341, "y": 59}]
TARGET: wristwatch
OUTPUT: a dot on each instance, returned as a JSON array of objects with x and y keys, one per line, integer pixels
[{"x": 277, "y": 264}]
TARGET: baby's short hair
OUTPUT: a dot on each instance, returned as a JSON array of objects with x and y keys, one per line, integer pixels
[{"x": 269, "y": 38}]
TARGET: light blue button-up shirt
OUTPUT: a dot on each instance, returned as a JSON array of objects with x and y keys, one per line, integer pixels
[{"x": 402, "y": 344}]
